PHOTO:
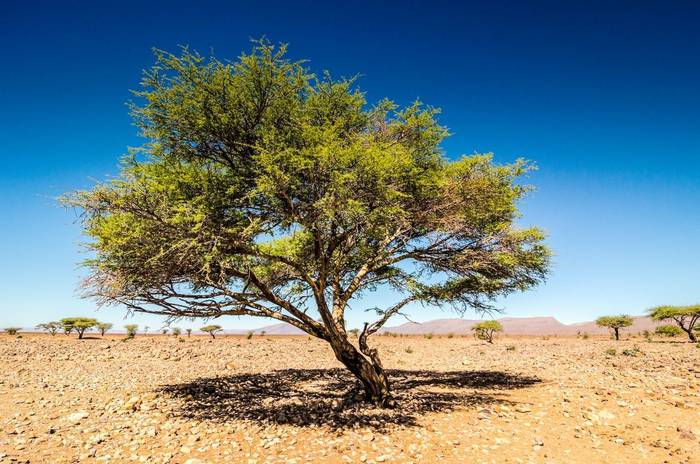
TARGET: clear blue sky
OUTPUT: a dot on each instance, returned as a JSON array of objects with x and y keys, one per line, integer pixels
[{"x": 604, "y": 96}]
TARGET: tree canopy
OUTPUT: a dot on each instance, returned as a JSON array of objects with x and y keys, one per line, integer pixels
[{"x": 266, "y": 191}]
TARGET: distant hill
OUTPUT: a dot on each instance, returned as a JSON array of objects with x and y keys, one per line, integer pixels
[{"x": 518, "y": 326}]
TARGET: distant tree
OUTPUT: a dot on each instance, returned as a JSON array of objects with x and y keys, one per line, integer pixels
[
  {"x": 176, "y": 331},
  {"x": 131, "y": 330},
  {"x": 668, "y": 330},
  {"x": 686, "y": 317},
  {"x": 354, "y": 332},
  {"x": 486, "y": 330},
  {"x": 211, "y": 329},
  {"x": 50, "y": 327},
  {"x": 103, "y": 327},
  {"x": 189, "y": 332},
  {"x": 79, "y": 324},
  {"x": 164, "y": 331},
  {"x": 615, "y": 323},
  {"x": 145, "y": 330},
  {"x": 264, "y": 191},
  {"x": 12, "y": 330}
]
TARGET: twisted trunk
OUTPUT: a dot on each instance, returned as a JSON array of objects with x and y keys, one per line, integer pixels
[{"x": 366, "y": 368}]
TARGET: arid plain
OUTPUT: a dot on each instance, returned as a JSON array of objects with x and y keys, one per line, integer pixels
[{"x": 279, "y": 399}]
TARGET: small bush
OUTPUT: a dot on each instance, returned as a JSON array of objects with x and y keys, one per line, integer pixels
[
  {"x": 585, "y": 336},
  {"x": 249, "y": 335},
  {"x": 632, "y": 351},
  {"x": 450, "y": 335},
  {"x": 611, "y": 352},
  {"x": 510, "y": 348},
  {"x": 409, "y": 350},
  {"x": 12, "y": 330},
  {"x": 176, "y": 331},
  {"x": 428, "y": 335},
  {"x": 668, "y": 330}
]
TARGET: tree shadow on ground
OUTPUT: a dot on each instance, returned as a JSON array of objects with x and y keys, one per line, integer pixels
[{"x": 323, "y": 397}]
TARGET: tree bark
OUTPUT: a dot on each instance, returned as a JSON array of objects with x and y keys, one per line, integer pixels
[
  {"x": 368, "y": 371},
  {"x": 617, "y": 334}
]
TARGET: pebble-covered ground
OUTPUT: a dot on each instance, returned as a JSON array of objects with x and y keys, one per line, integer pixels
[{"x": 280, "y": 400}]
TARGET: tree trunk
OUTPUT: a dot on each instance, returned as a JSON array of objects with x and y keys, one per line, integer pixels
[
  {"x": 617, "y": 334},
  {"x": 691, "y": 335},
  {"x": 368, "y": 371}
]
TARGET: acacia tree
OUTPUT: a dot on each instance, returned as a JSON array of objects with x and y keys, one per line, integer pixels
[
  {"x": 131, "y": 330},
  {"x": 486, "y": 330},
  {"x": 79, "y": 324},
  {"x": 263, "y": 191},
  {"x": 189, "y": 332},
  {"x": 103, "y": 327},
  {"x": 615, "y": 323},
  {"x": 211, "y": 329},
  {"x": 686, "y": 317},
  {"x": 50, "y": 327}
]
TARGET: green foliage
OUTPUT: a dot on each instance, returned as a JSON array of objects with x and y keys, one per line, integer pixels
[
  {"x": 11, "y": 330},
  {"x": 176, "y": 331},
  {"x": 611, "y": 352},
  {"x": 429, "y": 335},
  {"x": 485, "y": 330},
  {"x": 614, "y": 322},
  {"x": 236, "y": 151},
  {"x": 50, "y": 327},
  {"x": 131, "y": 330},
  {"x": 668, "y": 330},
  {"x": 354, "y": 332},
  {"x": 213, "y": 329},
  {"x": 103, "y": 327},
  {"x": 78, "y": 324},
  {"x": 635, "y": 351}
]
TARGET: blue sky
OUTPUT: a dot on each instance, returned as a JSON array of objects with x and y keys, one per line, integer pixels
[{"x": 604, "y": 98}]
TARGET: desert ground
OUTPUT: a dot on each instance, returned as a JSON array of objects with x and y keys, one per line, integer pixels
[{"x": 279, "y": 399}]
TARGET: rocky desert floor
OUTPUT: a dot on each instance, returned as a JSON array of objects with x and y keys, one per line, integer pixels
[{"x": 279, "y": 400}]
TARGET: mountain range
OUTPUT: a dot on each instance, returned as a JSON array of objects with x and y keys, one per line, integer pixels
[{"x": 511, "y": 326}]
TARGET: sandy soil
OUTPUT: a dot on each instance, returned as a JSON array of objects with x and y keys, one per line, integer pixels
[{"x": 279, "y": 399}]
